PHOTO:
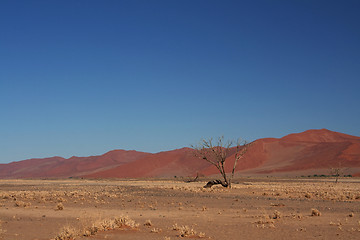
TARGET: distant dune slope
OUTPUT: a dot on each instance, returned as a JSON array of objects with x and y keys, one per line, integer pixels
[
  {"x": 312, "y": 151},
  {"x": 180, "y": 162},
  {"x": 75, "y": 166}
]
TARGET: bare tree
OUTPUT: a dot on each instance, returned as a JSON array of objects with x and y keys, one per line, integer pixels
[
  {"x": 217, "y": 154},
  {"x": 338, "y": 171}
]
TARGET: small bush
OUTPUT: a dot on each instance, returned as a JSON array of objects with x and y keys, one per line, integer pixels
[
  {"x": 148, "y": 223},
  {"x": 67, "y": 233},
  {"x": 186, "y": 231},
  {"x": 277, "y": 215},
  {"x": 107, "y": 224},
  {"x": 315, "y": 212},
  {"x": 125, "y": 222},
  {"x": 176, "y": 227},
  {"x": 60, "y": 206},
  {"x": 22, "y": 204},
  {"x": 88, "y": 231}
]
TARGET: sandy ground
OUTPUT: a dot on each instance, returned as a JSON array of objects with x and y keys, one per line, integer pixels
[{"x": 252, "y": 209}]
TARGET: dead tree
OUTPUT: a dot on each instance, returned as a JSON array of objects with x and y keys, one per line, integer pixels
[
  {"x": 338, "y": 171},
  {"x": 195, "y": 179},
  {"x": 217, "y": 155}
]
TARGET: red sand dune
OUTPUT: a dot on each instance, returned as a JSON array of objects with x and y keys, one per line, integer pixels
[
  {"x": 180, "y": 162},
  {"x": 60, "y": 167},
  {"x": 313, "y": 151},
  {"x": 310, "y": 152}
]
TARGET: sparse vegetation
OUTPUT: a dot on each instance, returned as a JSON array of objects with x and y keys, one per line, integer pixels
[
  {"x": 70, "y": 233},
  {"x": 262, "y": 203}
]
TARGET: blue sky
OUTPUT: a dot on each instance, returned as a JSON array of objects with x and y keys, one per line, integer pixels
[{"x": 85, "y": 77}]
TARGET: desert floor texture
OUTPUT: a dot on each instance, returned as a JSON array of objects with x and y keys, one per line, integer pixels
[{"x": 163, "y": 209}]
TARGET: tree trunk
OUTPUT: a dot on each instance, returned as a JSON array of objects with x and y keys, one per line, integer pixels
[{"x": 215, "y": 182}]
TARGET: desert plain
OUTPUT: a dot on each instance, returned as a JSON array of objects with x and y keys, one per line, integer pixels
[{"x": 254, "y": 208}]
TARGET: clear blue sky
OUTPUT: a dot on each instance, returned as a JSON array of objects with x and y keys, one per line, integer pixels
[{"x": 85, "y": 77}]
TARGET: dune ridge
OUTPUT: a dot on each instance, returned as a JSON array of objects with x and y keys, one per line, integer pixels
[{"x": 312, "y": 151}]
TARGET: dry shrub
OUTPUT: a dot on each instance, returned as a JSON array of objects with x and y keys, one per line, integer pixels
[
  {"x": 297, "y": 216},
  {"x": 265, "y": 221},
  {"x": 88, "y": 231},
  {"x": 22, "y": 204},
  {"x": 125, "y": 221},
  {"x": 156, "y": 230},
  {"x": 277, "y": 204},
  {"x": 60, "y": 206},
  {"x": 307, "y": 195},
  {"x": 276, "y": 215},
  {"x": 148, "y": 223},
  {"x": 67, "y": 233},
  {"x": 177, "y": 227},
  {"x": 351, "y": 214},
  {"x": 106, "y": 224},
  {"x": 186, "y": 231},
  {"x": 315, "y": 212}
]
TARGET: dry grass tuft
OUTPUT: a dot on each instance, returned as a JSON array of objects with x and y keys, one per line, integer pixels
[
  {"x": 67, "y": 233},
  {"x": 156, "y": 230},
  {"x": 265, "y": 221},
  {"x": 186, "y": 231},
  {"x": 315, "y": 212}
]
